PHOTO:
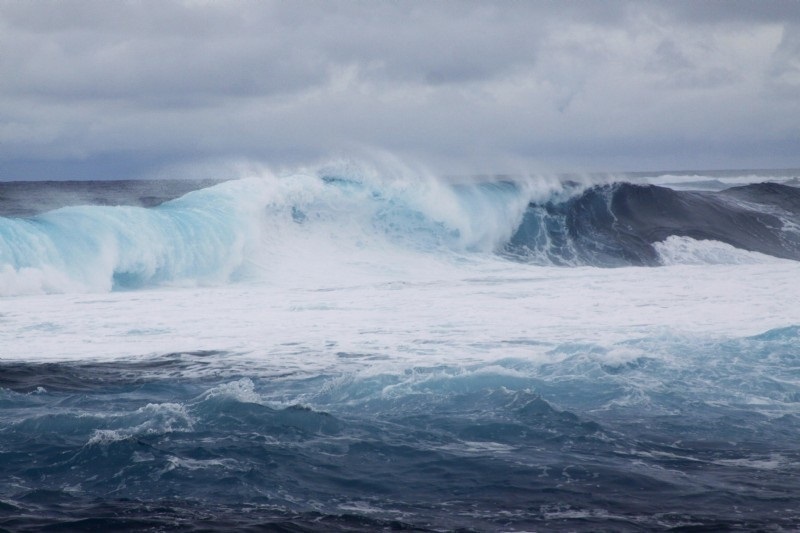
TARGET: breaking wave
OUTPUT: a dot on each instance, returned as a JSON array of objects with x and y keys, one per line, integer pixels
[
  {"x": 241, "y": 229},
  {"x": 629, "y": 224}
]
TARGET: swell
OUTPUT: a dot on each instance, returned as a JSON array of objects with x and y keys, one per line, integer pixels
[{"x": 620, "y": 224}]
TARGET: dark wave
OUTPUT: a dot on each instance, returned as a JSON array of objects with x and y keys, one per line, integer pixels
[{"x": 615, "y": 225}]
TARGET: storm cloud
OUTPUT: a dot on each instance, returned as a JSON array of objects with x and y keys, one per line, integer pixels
[{"x": 101, "y": 89}]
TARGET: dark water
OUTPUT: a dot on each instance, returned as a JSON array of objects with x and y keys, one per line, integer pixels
[{"x": 201, "y": 442}]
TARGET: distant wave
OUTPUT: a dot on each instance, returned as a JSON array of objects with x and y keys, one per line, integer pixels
[
  {"x": 231, "y": 230},
  {"x": 620, "y": 224}
]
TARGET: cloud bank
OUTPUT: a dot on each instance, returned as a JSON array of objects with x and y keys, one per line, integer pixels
[{"x": 99, "y": 89}]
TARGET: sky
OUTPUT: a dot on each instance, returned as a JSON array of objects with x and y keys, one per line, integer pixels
[{"x": 132, "y": 89}]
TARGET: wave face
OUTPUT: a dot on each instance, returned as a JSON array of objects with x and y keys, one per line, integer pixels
[
  {"x": 200, "y": 236},
  {"x": 240, "y": 229}
]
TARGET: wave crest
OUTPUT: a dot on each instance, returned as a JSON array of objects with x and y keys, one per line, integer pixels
[{"x": 343, "y": 215}]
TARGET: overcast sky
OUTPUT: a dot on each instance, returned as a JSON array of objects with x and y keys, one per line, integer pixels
[{"x": 102, "y": 89}]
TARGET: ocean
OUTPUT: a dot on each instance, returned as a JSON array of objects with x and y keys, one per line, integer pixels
[{"x": 359, "y": 348}]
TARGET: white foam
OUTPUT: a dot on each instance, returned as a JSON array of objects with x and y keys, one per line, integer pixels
[
  {"x": 242, "y": 390},
  {"x": 35, "y": 280},
  {"x": 104, "y": 437},
  {"x": 316, "y": 280},
  {"x": 152, "y": 418},
  {"x": 687, "y": 251},
  {"x": 406, "y": 313}
]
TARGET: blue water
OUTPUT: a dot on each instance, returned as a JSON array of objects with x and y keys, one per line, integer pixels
[
  {"x": 575, "y": 445},
  {"x": 695, "y": 433}
]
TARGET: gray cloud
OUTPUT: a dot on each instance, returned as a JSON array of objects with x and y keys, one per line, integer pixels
[
  {"x": 746, "y": 12},
  {"x": 94, "y": 89}
]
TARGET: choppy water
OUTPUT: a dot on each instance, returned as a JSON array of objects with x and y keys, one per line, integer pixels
[{"x": 350, "y": 350}]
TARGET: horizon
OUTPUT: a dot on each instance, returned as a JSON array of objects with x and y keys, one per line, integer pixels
[{"x": 710, "y": 173}]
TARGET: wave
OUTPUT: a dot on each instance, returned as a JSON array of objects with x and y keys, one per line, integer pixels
[
  {"x": 201, "y": 236},
  {"x": 621, "y": 224},
  {"x": 249, "y": 227}
]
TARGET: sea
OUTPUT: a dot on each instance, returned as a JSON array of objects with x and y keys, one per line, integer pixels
[{"x": 372, "y": 347}]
